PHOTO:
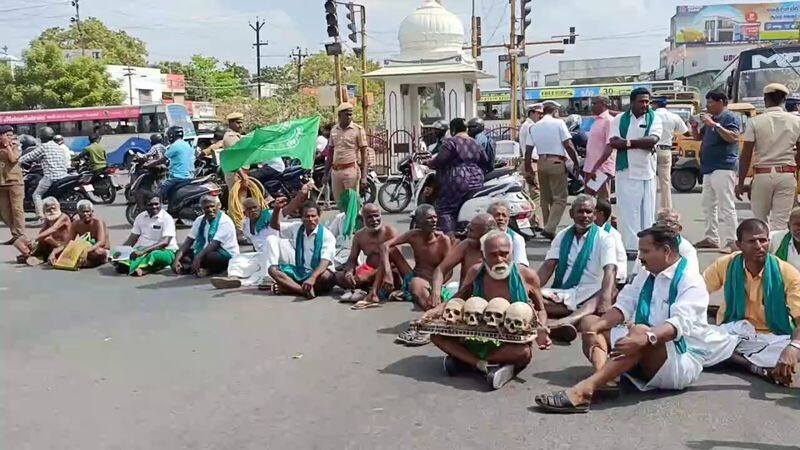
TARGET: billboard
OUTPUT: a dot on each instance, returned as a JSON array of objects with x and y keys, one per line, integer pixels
[
  {"x": 599, "y": 68},
  {"x": 736, "y": 23}
]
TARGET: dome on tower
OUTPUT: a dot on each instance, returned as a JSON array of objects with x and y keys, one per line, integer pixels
[{"x": 431, "y": 32}]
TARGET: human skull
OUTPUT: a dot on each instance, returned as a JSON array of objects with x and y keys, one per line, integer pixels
[
  {"x": 518, "y": 318},
  {"x": 453, "y": 311},
  {"x": 494, "y": 312},
  {"x": 473, "y": 311}
]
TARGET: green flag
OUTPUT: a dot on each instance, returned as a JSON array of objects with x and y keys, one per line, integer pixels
[{"x": 293, "y": 139}]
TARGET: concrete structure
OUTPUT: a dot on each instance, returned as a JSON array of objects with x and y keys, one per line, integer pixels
[
  {"x": 600, "y": 70},
  {"x": 9, "y": 60},
  {"x": 73, "y": 53},
  {"x": 432, "y": 78},
  {"x": 141, "y": 85},
  {"x": 697, "y": 64}
]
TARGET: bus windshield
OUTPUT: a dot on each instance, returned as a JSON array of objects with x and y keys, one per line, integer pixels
[{"x": 752, "y": 83}]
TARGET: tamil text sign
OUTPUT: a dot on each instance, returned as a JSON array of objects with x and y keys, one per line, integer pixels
[{"x": 737, "y": 23}]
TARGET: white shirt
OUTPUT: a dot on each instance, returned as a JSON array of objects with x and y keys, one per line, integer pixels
[
  {"x": 775, "y": 239},
  {"x": 603, "y": 253},
  {"x": 641, "y": 163},
  {"x": 687, "y": 314},
  {"x": 518, "y": 248},
  {"x": 289, "y": 231},
  {"x": 548, "y": 136},
  {"x": 671, "y": 123},
  {"x": 225, "y": 235},
  {"x": 524, "y": 135},
  {"x": 259, "y": 240},
  {"x": 322, "y": 142},
  {"x": 276, "y": 164},
  {"x": 686, "y": 250},
  {"x": 152, "y": 229},
  {"x": 622, "y": 256}
]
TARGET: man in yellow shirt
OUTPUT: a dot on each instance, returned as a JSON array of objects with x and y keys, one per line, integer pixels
[{"x": 762, "y": 305}]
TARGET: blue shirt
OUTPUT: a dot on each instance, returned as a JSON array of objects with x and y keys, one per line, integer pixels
[
  {"x": 488, "y": 149},
  {"x": 181, "y": 160},
  {"x": 716, "y": 153}
]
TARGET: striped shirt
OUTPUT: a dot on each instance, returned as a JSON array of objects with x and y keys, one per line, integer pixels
[{"x": 50, "y": 154}]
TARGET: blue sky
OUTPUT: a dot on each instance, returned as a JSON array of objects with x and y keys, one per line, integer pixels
[{"x": 176, "y": 29}]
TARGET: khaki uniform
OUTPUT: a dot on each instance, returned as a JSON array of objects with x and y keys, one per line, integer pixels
[
  {"x": 347, "y": 144},
  {"x": 776, "y": 135},
  {"x": 229, "y": 140},
  {"x": 12, "y": 194}
]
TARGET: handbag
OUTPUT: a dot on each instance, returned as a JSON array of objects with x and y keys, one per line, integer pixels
[{"x": 68, "y": 259}]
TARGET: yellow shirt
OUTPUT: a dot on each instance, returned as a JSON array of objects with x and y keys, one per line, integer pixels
[{"x": 754, "y": 298}]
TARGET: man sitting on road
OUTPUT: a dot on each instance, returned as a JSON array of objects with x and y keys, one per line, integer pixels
[
  {"x": 785, "y": 244},
  {"x": 55, "y": 233},
  {"x": 466, "y": 254},
  {"x": 584, "y": 261},
  {"x": 359, "y": 279},
  {"x": 98, "y": 253},
  {"x": 496, "y": 275},
  {"x": 314, "y": 247},
  {"x": 429, "y": 248},
  {"x": 669, "y": 341},
  {"x": 153, "y": 240},
  {"x": 211, "y": 242},
  {"x": 502, "y": 216},
  {"x": 762, "y": 305},
  {"x": 602, "y": 219}
]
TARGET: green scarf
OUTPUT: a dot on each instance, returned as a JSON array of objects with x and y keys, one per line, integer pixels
[
  {"x": 263, "y": 220},
  {"x": 350, "y": 205},
  {"x": 778, "y": 319},
  {"x": 624, "y": 124},
  {"x": 579, "y": 266},
  {"x": 607, "y": 227},
  {"x": 515, "y": 285},
  {"x": 783, "y": 249},
  {"x": 646, "y": 298},
  {"x": 200, "y": 241},
  {"x": 299, "y": 252}
]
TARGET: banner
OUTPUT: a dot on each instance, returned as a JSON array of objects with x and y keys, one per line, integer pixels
[
  {"x": 737, "y": 23},
  {"x": 293, "y": 139}
]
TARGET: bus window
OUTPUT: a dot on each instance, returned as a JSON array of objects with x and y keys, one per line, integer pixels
[
  {"x": 69, "y": 129},
  {"x": 148, "y": 123},
  {"x": 26, "y": 128}
]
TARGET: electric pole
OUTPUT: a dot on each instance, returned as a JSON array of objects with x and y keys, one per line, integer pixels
[
  {"x": 76, "y": 19},
  {"x": 258, "y": 44},
  {"x": 298, "y": 57},
  {"x": 129, "y": 73},
  {"x": 512, "y": 58}
]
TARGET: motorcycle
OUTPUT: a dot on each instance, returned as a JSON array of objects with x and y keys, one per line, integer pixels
[
  {"x": 68, "y": 190},
  {"x": 104, "y": 185},
  {"x": 136, "y": 169},
  {"x": 184, "y": 200}
]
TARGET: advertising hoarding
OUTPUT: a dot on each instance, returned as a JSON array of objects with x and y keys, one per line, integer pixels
[{"x": 736, "y": 23}]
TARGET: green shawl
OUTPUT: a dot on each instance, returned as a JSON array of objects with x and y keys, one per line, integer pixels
[
  {"x": 350, "y": 204},
  {"x": 581, "y": 260},
  {"x": 200, "y": 240},
  {"x": 624, "y": 124},
  {"x": 646, "y": 298},
  {"x": 299, "y": 252},
  {"x": 515, "y": 285},
  {"x": 783, "y": 249},
  {"x": 776, "y": 311},
  {"x": 263, "y": 220}
]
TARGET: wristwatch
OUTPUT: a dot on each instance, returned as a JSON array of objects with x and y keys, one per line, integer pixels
[
  {"x": 628, "y": 143},
  {"x": 652, "y": 339}
]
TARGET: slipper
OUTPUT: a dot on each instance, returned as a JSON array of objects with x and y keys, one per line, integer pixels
[
  {"x": 609, "y": 391},
  {"x": 364, "y": 304},
  {"x": 558, "y": 402},
  {"x": 413, "y": 338},
  {"x": 397, "y": 296},
  {"x": 226, "y": 282},
  {"x": 564, "y": 333}
]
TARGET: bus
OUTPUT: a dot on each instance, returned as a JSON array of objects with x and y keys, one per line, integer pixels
[
  {"x": 495, "y": 105},
  {"x": 746, "y": 76},
  {"x": 123, "y": 127}
]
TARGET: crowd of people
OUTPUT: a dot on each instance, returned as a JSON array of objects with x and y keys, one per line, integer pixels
[{"x": 650, "y": 326}]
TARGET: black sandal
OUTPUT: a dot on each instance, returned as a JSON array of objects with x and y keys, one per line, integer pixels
[
  {"x": 564, "y": 333},
  {"x": 559, "y": 402}
]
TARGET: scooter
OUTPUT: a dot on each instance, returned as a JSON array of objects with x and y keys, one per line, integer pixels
[
  {"x": 68, "y": 190},
  {"x": 184, "y": 200},
  {"x": 104, "y": 185}
]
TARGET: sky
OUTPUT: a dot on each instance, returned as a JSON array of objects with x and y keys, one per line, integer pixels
[{"x": 177, "y": 29}]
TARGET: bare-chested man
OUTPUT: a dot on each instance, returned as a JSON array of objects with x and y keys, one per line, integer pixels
[
  {"x": 466, "y": 254},
  {"x": 360, "y": 278},
  {"x": 54, "y": 234},
  {"x": 97, "y": 254},
  {"x": 429, "y": 247},
  {"x": 496, "y": 275}
]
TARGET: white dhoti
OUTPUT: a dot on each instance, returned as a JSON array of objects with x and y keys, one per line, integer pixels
[
  {"x": 678, "y": 372},
  {"x": 571, "y": 298},
  {"x": 763, "y": 350},
  {"x": 251, "y": 268},
  {"x": 636, "y": 207}
]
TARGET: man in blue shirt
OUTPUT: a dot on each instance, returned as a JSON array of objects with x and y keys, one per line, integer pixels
[
  {"x": 719, "y": 159},
  {"x": 475, "y": 129},
  {"x": 181, "y": 162}
]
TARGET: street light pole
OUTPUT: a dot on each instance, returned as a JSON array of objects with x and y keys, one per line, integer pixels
[
  {"x": 364, "y": 105},
  {"x": 512, "y": 53}
]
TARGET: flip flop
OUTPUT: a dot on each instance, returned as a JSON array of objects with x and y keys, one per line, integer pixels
[
  {"x": 413, "y": 338},
  {"x": 564, "y": 333},
  {"x": 559, "y": 402},
  {"x": 397, "y": 296},
  {"x": 364, "y": 304}
]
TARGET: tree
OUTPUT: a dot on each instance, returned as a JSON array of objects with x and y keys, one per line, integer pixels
[
  {"x": 207, "y": 80},
  {"x": 118, "y": 47},
  {"x": 47, "y": 80}
]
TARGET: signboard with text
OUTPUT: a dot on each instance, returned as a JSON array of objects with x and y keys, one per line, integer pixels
[{"x": 737, "y": 23}]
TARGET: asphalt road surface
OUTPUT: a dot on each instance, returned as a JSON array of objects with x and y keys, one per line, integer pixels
[{"x": 93, "y": 360}]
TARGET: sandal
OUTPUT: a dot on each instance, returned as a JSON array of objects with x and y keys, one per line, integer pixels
[
  {"x": 397, "y": 296},
  {"x": 365, "y": 304},
  {"x": 274, "y": 289},
  {"x": 564, "y": 333},
  {"x": 413, "y": 338},
  {"x": 559, "y": 402}
]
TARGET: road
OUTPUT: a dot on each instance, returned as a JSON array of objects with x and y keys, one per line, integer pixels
[{"x": 92, "y": 360}]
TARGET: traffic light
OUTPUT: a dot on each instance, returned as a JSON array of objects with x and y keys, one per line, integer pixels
[
  {"x": 351, "y": 16},
  {"x": 571, "y": 35},
  {"x": 331, "y": 19},
  {"x": 526, "y": 7},
  {"x": 478, "y": 40}
]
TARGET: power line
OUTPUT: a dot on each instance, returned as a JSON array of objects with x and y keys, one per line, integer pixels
[{"x": 43, "y": 5}]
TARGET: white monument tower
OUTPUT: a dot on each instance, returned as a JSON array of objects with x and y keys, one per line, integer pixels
[{"x": 433, "y": 77}]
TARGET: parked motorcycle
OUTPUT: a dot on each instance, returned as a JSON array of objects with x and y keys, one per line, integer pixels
[{"x": 184, "y": 200}]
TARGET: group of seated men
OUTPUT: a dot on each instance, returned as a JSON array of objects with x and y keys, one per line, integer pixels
[{"x": 654, "y": 330}]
